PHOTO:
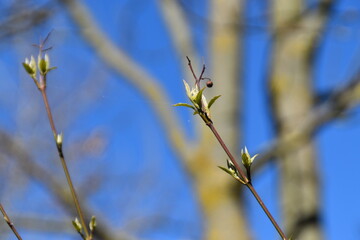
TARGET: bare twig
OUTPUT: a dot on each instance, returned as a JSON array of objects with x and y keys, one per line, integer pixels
[
  {"x": 15, "y": 149},
  {"x": 243, "y": 177},
  {"x": 247, "y": 181},
  {"x": 9, "y": 223},
  {"x": 43, "y": 68},
  {"x": 64, "y": 165}
]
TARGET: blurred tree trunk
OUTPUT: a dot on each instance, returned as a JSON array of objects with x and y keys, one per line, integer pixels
[
  {"x": 218, "y": 193},
  {"x": 292, "y": 99},
  {"x": 219, "y": 199}
]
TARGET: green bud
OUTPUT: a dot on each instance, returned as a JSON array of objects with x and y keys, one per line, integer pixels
[
  {"x": 30, "y": 66},
  {"x": 42, "y": 65},
  {"x": 191, "y": 93},
  {"x": 77, "y": 225},
  {"x": 232, "y": 171},
  {"x": 59, "y": 139},
  {"x": 197, "y": 98},
  {"x": 47, "y": 61},
  {"x": 33, "y": 63},
  {"x": 27, "y": 68},
  {"x": 247, "y": 160},
  {"x": 92, "y": 224}
]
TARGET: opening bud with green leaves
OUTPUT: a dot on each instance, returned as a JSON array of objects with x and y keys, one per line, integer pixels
[
  {"x": 42, "y": 64},
  {"x": 201, "y": 107},
  {"x": 92, "y": 224},
  {"x": 199, "y": 102},
  {"x": 247, "y": 160},
  {"x": 30, "y": 66},
  {"x": 232, "y": 171},
  {"x": 77, "y": 225}
]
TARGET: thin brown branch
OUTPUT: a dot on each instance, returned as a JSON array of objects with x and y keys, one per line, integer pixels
[
  {"x": 14, "y": 149},
  {"x": 44, "y": 68},
  {"x": 48, "y": 111},
  {"x": 247, "y": 181},
  {"x": 197, "y": 79},
  {"x": 243, "y": 177},
  {"x": 9, "y": 222},
  {"x": 63, "y": 163},
  {"x": 191, "y": 68}
]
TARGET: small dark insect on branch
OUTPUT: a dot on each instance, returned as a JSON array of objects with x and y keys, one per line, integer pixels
[
  {"x": 209, "y": 83},
  {"x": 234, "y": 168}
]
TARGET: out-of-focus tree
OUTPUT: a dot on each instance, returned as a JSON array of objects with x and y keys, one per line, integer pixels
[{"x": 296, "y": 29}]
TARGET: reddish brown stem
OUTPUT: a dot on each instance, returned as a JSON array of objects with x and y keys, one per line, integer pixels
[
  {"x": 243, "y": 177},
  {"x": 197, "y": 80},
  {"x": 62, "y": 159},
  {"x": 191, "y": 68},
  {"x": 47, "y": 106},
  {"x": 202, "y": 72},
  {"x": 246, "y": 181},
  {"x": 227, "y": 151},
  {"x": 9, "y": 223}
]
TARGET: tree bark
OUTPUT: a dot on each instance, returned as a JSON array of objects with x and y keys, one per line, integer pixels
[
  {"x": 219, "y": 199},
  {"x": 218, "y": 193},
  {"x": 292, "y": 99}
]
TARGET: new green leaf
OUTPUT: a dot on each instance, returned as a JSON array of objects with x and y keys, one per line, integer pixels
[
  {"x": 213, "y": 100},
  {"x": 184, "y": 105}
]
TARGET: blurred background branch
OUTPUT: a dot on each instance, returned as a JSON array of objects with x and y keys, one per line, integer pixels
[
  {"x": 31, "y": 169},
  {"x": 24, "y": 18},
  {"x": 149, "y": 170}
]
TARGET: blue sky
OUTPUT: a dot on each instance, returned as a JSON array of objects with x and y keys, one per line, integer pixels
[{"x": 132, "y": 146}]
